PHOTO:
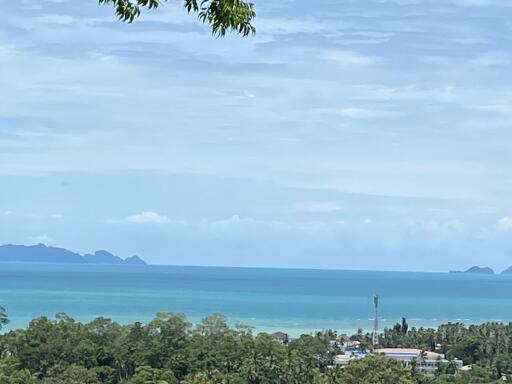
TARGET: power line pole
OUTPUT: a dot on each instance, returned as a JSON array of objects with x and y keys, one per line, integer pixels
[{"x": 375, "y": 337}]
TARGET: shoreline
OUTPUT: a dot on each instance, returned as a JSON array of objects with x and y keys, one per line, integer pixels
[{"x": 293, "y": 330}]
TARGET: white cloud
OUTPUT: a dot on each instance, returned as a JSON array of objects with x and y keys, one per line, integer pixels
[
  {"x": 454, "y": 225},
  {"x": 440, "y": 94},
  {"x": 43, "y": 239},
  {"x": 233, "y": 221},
  {"x": 317, "y": 207},
  {"x": 504, "y": 109},
  {"x": 483, "y": 3},
  {"x": 8, "y": 213},
  {"x": 57, "y": 19},
  {"x": 491, "y": 59},
  {"x": 348, "y": 58},
  {"x": 437, "y": 227},
  {"x": 361, "y": 113},
  {"x": 57, "y": 216},
  {"x": 148, "y": 217},
  {"x": 355, "y": 113},
  {"x": 504, "y": 224},
  {"x": 283, "y": 26},
  {"x": 236, "y": 225},
  {"x": 461, "y": 3}
]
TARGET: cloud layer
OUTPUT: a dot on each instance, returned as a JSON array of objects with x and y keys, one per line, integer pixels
[
  {"x": 371, "y": 133},
  {"x": 148, "y": 217}
]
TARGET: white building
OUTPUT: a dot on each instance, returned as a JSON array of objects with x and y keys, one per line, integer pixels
[
  {"x": 342, "y": 360},
  {"x": 350, "y": 345},
  {"x": 427, "y": 361}
]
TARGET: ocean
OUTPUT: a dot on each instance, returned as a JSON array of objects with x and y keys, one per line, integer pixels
[{"x": 292, "y": 300}]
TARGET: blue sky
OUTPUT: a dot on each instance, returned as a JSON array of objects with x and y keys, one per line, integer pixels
[{"x": 368, "y": 134}]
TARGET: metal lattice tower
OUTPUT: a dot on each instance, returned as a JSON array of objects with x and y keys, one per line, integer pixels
[{"x": 375, "y": 337}]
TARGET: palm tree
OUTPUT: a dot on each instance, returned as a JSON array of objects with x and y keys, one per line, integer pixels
[{"x": 3, "y": 317}]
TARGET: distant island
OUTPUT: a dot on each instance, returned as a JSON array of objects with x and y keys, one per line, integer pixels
[
  {"x": 483, "y": 271},
  {"x": 41, "y": 253},
  {"x": 478, "y": 271}
]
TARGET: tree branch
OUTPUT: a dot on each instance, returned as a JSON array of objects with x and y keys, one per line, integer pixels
[{"x": 222, "y": 15}]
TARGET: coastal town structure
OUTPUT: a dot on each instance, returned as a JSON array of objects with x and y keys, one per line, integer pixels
[
  {"x": 426, "y": 361},
  {"x": 281, "y": 337}
]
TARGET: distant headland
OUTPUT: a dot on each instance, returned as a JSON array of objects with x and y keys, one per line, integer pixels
[
  {"x": 477, "y": 270},
  {"x": 41, "y": 253},
  {"x": 484, "y": 271}
]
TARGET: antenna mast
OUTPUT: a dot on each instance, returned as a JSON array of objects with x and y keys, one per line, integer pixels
[{"x": 375, "y": 337}]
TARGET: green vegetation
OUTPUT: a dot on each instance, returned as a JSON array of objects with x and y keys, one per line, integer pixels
[
  {"x": 4, "y": 320},
  {"x": 221, "y": 15},
  {"x": 169, "y": 350}
]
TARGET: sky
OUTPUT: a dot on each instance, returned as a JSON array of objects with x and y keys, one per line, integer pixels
[{"x": 364, "y": 134}]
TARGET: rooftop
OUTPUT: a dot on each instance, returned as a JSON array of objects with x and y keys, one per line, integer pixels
[{"x": 409, "y": 352}]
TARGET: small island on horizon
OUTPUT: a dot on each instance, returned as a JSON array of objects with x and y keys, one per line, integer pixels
[
  {"x": 42, "y": 253},
  {"x": 476, "y": 270}
]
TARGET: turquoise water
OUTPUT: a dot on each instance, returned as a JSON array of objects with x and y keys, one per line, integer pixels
[{"x": 268, "y": 299}]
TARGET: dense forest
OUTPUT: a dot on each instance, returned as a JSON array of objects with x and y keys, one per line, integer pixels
[{"x": 169, "y": 350}]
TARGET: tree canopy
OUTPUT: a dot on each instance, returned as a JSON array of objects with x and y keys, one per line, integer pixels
[
  {"x": 170, "y": 350},
  {"x": 221, "y": 15},
  {"x": 3, "y": 317}
]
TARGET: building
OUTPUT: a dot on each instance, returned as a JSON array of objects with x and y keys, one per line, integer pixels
[
  {"x": 347, "y": 345},
  {"x": 281, "y": 337},
  {"x": 344, "y": 338},
  {"x": 427, "y": 361},
  {"x": 342, "y": 360},
  {"x": 345, "y": 359}
]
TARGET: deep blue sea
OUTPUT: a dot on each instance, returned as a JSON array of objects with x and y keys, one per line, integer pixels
[{"x": 269, "y": 299}]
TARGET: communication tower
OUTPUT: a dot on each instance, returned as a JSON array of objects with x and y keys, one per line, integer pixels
[{"x": 375, "y": 337}]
